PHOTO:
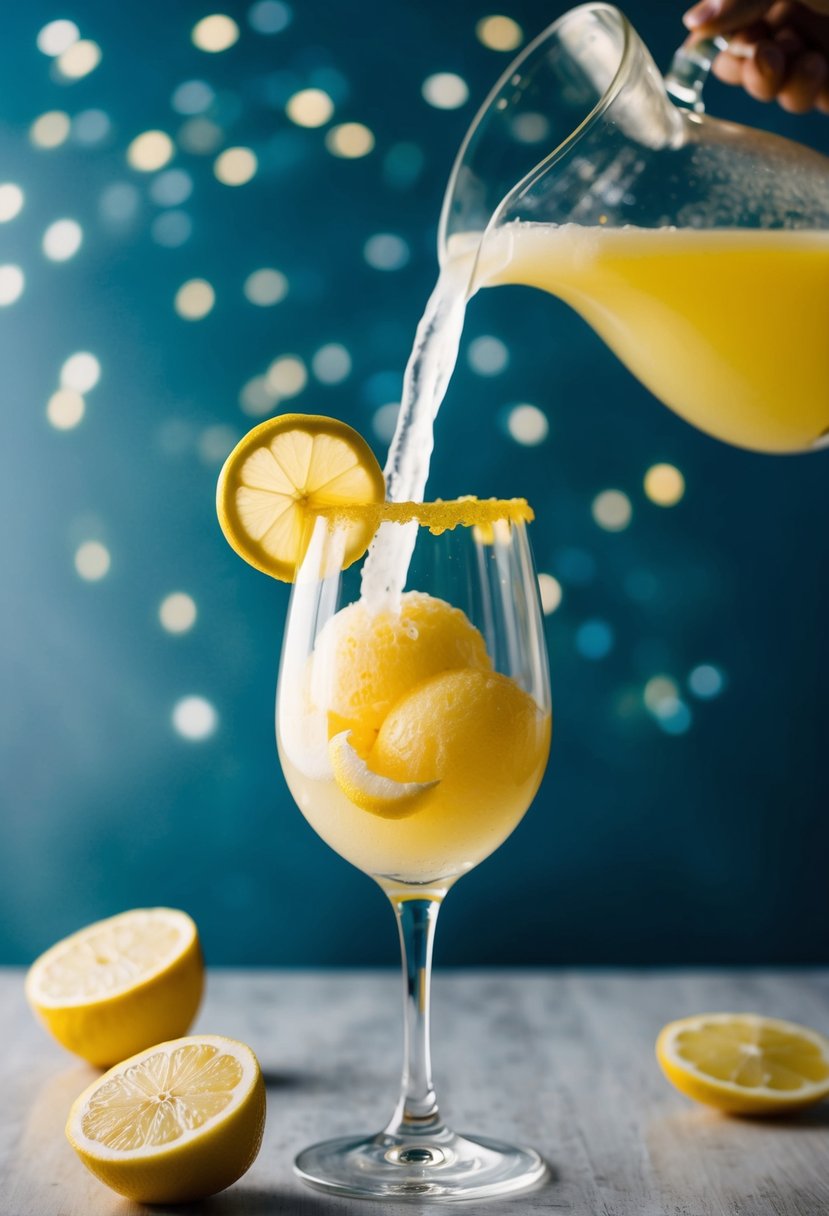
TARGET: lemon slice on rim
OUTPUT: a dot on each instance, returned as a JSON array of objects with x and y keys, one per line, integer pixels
[
  {"x": 282, "y": 473},
  {"x": 368, "y": 790},
  {"x": 744, "y": 1063},
  {"x": 120, "y": 985},
  {"x": 178, "y": 1122}
]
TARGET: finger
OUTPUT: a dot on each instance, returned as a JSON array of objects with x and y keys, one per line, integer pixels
[
  {"x": 722, "y": 16},
  {"x": 728, "y": 68},
  {"x": 765, "y": 73},
  {"x": 807, "y": 77}
]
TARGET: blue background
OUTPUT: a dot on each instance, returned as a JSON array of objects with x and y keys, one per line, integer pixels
[{"x": 698, "y": 837}]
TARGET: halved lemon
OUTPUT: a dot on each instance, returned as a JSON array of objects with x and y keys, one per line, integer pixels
[
  {"x": 120, "y": 985},
  {"x": 744, "y": 1063},
  {"x": 282, "y": 473},
  {"x": 178, "y": 1122},
  {"x": 368, "y": 790}
]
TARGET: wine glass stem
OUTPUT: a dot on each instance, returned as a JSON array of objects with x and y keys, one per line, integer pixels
[{"x": 417, "y": 1111}]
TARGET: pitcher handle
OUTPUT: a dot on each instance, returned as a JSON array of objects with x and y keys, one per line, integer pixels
[{"x": 689, "y": 71}]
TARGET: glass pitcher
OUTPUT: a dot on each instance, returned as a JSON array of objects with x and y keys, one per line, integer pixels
[{"x": 697, "y": 249}]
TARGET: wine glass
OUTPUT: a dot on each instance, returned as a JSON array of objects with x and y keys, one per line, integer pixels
[{"x": 413, "y": 729}]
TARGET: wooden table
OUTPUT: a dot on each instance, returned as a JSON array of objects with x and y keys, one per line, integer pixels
[{"x": 561, "y": 1060}]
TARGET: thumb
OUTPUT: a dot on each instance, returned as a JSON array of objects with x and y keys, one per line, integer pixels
[{"x": 724, "y": 16}]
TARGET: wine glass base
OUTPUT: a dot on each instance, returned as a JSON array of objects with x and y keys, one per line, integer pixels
[{"x": 440, "y": 1167}]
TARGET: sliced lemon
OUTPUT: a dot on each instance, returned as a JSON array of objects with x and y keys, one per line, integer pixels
[
  {"x": 120, "y": 985},
  {"x": 280, "y": 474},
  {"x": 369, "y": 791},
  {"x": 744, "y": 1063},
  {"x": 178, "y": 1122}
]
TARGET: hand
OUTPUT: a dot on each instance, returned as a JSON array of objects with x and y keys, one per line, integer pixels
[{"x": 776, "y": 51}]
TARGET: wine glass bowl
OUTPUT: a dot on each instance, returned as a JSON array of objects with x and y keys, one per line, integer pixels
[{"x": 413, "y": 728}]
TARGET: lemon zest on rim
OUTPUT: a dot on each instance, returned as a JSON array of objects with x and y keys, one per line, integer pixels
[{"x": 438, "y": 516}]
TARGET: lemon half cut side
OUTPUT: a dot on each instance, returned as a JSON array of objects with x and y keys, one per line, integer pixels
[
  {"x": 120, "y": 985},
  {"x": 745, "y": 1064},
  {"x": 176, "y": 1123},
  {"x": 281, "y": 476}
]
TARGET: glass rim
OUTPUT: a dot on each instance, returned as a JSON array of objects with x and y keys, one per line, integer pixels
[{"x": 438, "y": 516}]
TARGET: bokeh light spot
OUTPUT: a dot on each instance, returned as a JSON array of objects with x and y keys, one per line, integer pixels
[
  {"x": 150, "y": 151},
  {"x": 195, "y": 718},
  {"x": 50, "y": 130},
  {"x": 265, "y": 287},
  {"x": 384, "y": 420},
  {"x": 81, "y": 371},
  {"x": 349, "y": 140},
  {"x": 200, "y": 136},
  {"x": 235, "y": 166},
  {"x": 171, "y": 188},
  {"x": 310, "y": 108},
  {"x": 487, "y": 355},
  {"x": 57, "y": 36},
  {"x": 331, "y": 364},
  {"x": 658, "y": 689},
  {"x": 612, "y": 510},
  {"x": 65, "y": 409},
  {"x": 445, "y": 91},
  {"x": 119, "y": 203},
  {"x": 12, "y": 282},
  {"x": 594, "y": 640},
  {"x": 11, "y": 201},
  {"x": 530, "y": 127},
  {"x": 287, "y": 376},
  {"x": 62, "y": 240},
  {"x": 79, "y": 59},
  {"x": 551, "y": 593},
  {"x": 256, "y": 397},
  {"x": 664, "y": 485},
  {"x": 499, "y": 33},
  {"x": 216, "y": 443},
  {"x": 215, "y": 33},
  {"x": 192, "y": 97},
  {"x": 92, "y": 561},
  {"x": 91, "y": 127},
  {"x": 706, "y": 681},
  {"x": 673, "y": 716},
  {"x": 269, "y": 16},
  {"x": 194, "y": 299},
  {"x": 172, "y": 229},
  {"x": 177, "y": 612},
  {"x": 386, "y": 251},
  {"x": 527, "y": 424}
]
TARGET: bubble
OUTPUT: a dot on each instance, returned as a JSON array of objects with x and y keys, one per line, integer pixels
[
  {"x": 11, "y": 201},
  {"x": 528, "y": 425},
  {"x": 551, "y": 593},
  {"x": 594, "y": 640},
  {"x": 445, "y": 90},
  {"x": 92, "y": 561},
  {"x": 310, "y": 108},
  {"x": 195, "y": 718},
  {"x": 266, "y": 287},
  {"x": 235, "y": 166},
  {"x": 12, "y": 282},
  {"x": 386, "y": 251},
  {"x": 487, "y": 355},
  {"x": 150, "y": 151},
  {"x": 612, "y": 510},
  {"x": 81, "y": 371},
  {"x": 65, "y": 409},
  {"x": 177, "y": 612},
  {"x": 62, "y": 240},
  {"x": 331, "y": 364},
  {"x": 194, "y": 299},
  {"x": 215, "y": 33}
]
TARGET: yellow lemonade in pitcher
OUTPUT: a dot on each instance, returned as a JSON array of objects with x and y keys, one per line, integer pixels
[{"x": 728, "y": 327}]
